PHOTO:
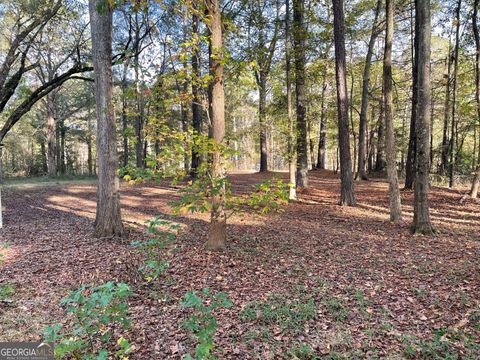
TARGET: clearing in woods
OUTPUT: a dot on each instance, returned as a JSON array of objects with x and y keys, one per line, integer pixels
[{"x": 342, "y": 280}]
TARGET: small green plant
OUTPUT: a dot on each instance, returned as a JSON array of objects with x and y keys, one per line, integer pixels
[
  {"x": 302, "y": 351},
  {"x": 163, "y": 234},
  {"x": 288, "y": 314},
  {"x": 7, "y": 290},
  {"x": 202, "y": 322},
  {"x": 336, "y": 307},
  {"x": 96, "y": 312},
  {"x": 269, "y": 196},
  {"x": 440, "y": 347}
]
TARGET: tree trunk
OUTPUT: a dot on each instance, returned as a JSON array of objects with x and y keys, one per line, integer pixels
[
  {"x": 446, "y": 114},
  {"x": 380, "y": 159},
  {"x": 364, "y": 105},
  {"x": 292, "y": 196},
  {"x": 411, "y": 152},
  {"x": 124, "y": 114},
  {"x": 218, "y": 220},
  {"x": 394, "y": 192},
  {"x": 476, "y": 179},
  {"x": 89, "y": 147},
  {"x": 108, "y": 221},
  {"x": 453, "y": 149},
  {"x": 421, "y": 214},
  {"x": 196, "y": 101},
  {"x": 322, "y": 138},
  {"x": 63, "y": 131},
  {"x": 347, "y": 196},
  {"x": 262, "y": 116},
  {"x": 299, "y": 33},
  {"x": 51, "y": 137}
]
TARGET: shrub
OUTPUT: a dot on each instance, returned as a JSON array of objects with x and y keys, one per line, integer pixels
[{"x": 96, "y": 311}]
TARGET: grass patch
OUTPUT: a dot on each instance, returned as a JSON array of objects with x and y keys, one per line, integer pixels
[
  {"x": 7, "y": 291},
  {"x": 290, "y": 315}
]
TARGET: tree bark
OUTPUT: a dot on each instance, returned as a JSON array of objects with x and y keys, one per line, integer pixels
[
  {"x": 411, "y": 152},
  {"x": 262, "y": 116},
  {"x": 51, "y": 137},
  {"x": 453, "y": 149},
  {"x": 218, "y": 221},
  {"x": 476, "y": 179},
  {"x": 394, "y": 192},
  {"x": 299, "y": 34},
  {"x": 108, "y": 221},
  {"x": 196, "y": 105},
  {"x": 292, "y": 196},
  {"x": 322, "y": 138},
  {"x": 124, "y": 114},
  {"x": 446, "y": 114},
  {"x": 347, "y": 196},
  {"x": 364, "y": 105},
  {"x": 421, "y": 217}
]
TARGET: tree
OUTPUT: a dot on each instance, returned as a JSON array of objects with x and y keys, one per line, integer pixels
[
  {"x": 262, "y": 50},
  {"x": 347, "y": 195},
  {"x": 394, "y": 192},
  {"x": 411, "y": 152},
  {"x": 365, "y": 85},
  {"x": 218, "y": 221},
  {"x": 108, "y": 221},
  {"x": 476, "y": 179},
  {"x": 291, "y": 151},
  {"x": 196, "y": 101},
  {"x": 453, "y": 133},
  {"x": 299, "y": 35},
  {"x": 421, "y": 210}
]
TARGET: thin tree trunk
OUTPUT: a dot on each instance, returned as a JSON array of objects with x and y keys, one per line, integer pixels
[
  {"x": 218, "y": 221},
  {"x": 124, "y": 114},
  {"x": 394, "y": 192},
  {"x": 380, "y": 160},
  {"x": 51, "y": 137},
  {"x": 89, "y": 147},
  {"x": 262, "y": 115},
  {"x": 421, "y": 218},
  {"x": 411, "y": 152},
  {"x": 299, "y": 32},
  {"x": 453, "y": 133},
  {"x": 322, "y": 138},
  {"x": 292, "y": 196},
  {"x": 196, "y": 105},
  {"x": 347, "y": 196},
  {"x": 446, "y": 114},
  {"x": 108, "y": 221},
  {"x": 364, "y": 105},
  {"x": 476, "y": 179}
]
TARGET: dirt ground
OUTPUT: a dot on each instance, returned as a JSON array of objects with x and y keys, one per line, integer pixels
[{"x": 359, "y": 286}]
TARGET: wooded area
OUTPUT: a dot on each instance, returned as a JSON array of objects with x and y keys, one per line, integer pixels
[{"x": 241, "y": 179}]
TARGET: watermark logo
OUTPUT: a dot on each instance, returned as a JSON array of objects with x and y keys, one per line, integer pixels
[{"x": 26, "y": 351}]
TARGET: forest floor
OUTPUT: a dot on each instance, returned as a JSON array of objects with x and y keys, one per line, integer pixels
[{"x": 315, "y": 281}]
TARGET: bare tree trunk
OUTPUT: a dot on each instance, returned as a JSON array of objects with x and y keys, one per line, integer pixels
[
  {"x": 476, "y": 179},
  {"x": 322, "y": 138},
  {"x": 299, "y": 52},
  {"x": 380, "y": 159},
  {"x": 262, "y": 115},
  {"x": 51, "y": 137},
  {"x": 421, "y": 213},
  {"x": 394, "y": 192},
  {"x": 89, "y": 146},
  {"x": 292, "y": 196},
  {"x": 453, "y": 135},
  {"x": 124, "y": 114},
  {"x": 364, "y": 105},
  {"x": 218, "y": 221},
  {"x": 446, "y": 114},
  {"x": 411, "y": 152},
  {"x": 108, "y": 221},
  {"x": 196, "y": 101},
  {"x": 347, "y": 196}
]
